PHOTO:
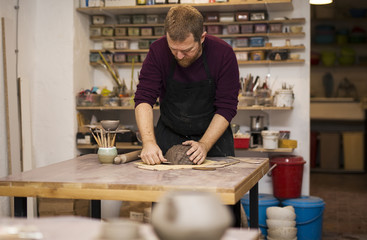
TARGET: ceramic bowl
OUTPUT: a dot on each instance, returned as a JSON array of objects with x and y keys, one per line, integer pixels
[
  {"x": 294, "y": 56},
  {"x": 182, "y": 215},
  {"x": 120, "y": 229},
  {"x": 296, "y": 29},
  {"x": 283, "y": 233},
  {"x": 280, "y": 213},
  {"x": 110, "y": 124},
  {"x": 275, "y": 223}
]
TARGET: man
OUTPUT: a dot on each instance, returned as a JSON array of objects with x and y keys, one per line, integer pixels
[{"x": 196, "y": 78}]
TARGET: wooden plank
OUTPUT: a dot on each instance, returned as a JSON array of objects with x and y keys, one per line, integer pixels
[
  {"x": 274, "y": 5},
  {"x": 337, "y": 111}
]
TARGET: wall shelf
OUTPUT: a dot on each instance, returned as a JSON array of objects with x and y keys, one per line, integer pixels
[
  {"x": 285, "y": 22},
  {"x": 278, "y": 150},
  {"x": 271, "y": 5},
  {"x": 269, "y": 35},
  {"x": 119, "y": 145},
  {"x": 240, "y": 108},
  {"x": 294, "y": 47}
]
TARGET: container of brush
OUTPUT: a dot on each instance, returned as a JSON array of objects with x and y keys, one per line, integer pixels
[{"x": 105, "y": 138}]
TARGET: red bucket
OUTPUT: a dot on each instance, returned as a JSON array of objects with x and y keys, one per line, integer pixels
[{"x": 287, "y": 176}]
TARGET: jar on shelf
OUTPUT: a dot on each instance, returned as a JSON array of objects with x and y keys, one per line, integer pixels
[{"x": 141, "y": 2}]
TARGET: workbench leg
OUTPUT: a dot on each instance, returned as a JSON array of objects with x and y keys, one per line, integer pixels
[
  {"x": 254, "y": 206},
  {"x": 96, "y": 209},
  {"x": 236, "y": 210},
  {"x": 20, "y": 207}
]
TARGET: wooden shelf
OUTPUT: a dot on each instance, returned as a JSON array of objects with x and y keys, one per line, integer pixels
[
  {"x": 269, "y": 35},
  {"x": 126, "y": 145},
  {"x": 259, "y": 62},
  {"x": 285, "y": 21},
  {"x": 262, "y": 108},
  {"x": 119, "y": 145},
  {"x": 270, "y": 5},
  {"x": 294, "y": 47},
  {"x": 271, "y": 62},
  {"x": 278, "y": 150},
  {"x": 240, "y": 108}
]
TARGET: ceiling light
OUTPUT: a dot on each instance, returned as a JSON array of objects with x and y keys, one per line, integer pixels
[{"x": 320, "y": 2}]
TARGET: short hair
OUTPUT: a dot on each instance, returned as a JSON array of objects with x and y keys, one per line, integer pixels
[{"x": 183, "y": 20}]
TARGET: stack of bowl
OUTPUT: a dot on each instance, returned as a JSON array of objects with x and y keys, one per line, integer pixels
[{"x": 281, "y": 223}]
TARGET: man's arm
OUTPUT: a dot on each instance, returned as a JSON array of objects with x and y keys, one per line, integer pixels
[
  {"x": 200, "y": 149},
  {"x": 151, "y": 153}
]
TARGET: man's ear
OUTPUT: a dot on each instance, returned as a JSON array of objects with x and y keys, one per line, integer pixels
[{"x": 202, "y": 39}]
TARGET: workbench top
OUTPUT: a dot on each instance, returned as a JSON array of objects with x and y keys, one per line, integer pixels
[{"x": 85, "y": 178}]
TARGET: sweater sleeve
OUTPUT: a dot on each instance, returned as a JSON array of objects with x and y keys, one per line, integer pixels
[
  {"x": 151, "y": 75},
  {"x": 228, "y": 85}
]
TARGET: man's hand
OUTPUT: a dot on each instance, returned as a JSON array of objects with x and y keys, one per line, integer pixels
[
  {"x": 197, "y": 152},
  {"x": 151, "y": 154}
]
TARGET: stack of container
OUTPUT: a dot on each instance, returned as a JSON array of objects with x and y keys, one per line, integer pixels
[{"x": 281, "y": 223}]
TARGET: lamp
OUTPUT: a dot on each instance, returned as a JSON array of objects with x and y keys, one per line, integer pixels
[{"x": 320, "y": 2}]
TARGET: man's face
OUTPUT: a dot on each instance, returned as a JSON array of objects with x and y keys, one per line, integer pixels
[{"x": 187, "y": 51}]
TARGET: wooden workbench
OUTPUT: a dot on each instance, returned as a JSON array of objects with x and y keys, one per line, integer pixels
[{"x": 85, "y": 178}]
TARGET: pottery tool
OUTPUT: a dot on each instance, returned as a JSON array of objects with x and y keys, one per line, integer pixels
[
  {"x": 127, "y": 157},
  {"x": 110, "y": 69}
]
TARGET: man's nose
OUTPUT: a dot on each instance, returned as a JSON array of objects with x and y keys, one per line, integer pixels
[{"x": 180, "y": 55}]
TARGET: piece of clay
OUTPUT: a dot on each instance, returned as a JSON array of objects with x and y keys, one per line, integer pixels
[{"x": 177, "y": 155}]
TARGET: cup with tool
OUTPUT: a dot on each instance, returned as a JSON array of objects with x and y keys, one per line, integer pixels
[{"x": 105, "y": 137}]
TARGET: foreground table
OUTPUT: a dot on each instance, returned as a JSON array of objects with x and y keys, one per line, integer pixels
[
  {"x": 61, "y": 228},
  {"x": 85, "y": 178}
]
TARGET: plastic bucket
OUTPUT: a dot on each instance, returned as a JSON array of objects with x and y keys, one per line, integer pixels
[
  {"x": 309, "y": 212},
  {"x": 270, "y": 139},
  {"x": 287, "y": 176},
  {"x": 265, "y": 201}
]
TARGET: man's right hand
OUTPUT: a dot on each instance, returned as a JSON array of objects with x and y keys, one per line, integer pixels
[{"x": 151, "y": 154}]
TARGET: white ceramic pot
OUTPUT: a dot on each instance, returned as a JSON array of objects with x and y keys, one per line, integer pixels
[
  {"x": 120, "y": 229},
  {"x": 284, "y": 98},
  {"x": 276, "y": 223},
  {"x": 183, "y": 215},
  {"x": 283, "y": 233},
  {"x": 280, "y": 213}
]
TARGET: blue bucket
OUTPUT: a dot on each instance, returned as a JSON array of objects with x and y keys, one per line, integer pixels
[
  {"x": 265, "y": 201},
  {"x": 309, "y": 211}
]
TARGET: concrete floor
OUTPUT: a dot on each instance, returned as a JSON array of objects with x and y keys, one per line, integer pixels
[{"x": 345, "y": 196}]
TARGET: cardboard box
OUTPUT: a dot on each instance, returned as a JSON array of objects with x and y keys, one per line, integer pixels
[
  {"x": 353, "y": 146},
  {"x": 63, "y": 207}
]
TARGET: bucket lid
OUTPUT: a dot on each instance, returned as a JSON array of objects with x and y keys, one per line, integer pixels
[
  {"x": 287, "y": 159},
  {"x": 304, "y": 202},
  {"x": 264, "y": 199},
  {"x": 270, "y": 133}
]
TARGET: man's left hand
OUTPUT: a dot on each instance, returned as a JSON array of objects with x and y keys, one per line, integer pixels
[{"x": 197, "y": 152}]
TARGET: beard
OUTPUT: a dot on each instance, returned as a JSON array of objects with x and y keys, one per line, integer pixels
[{"x": 187, "y": 61}]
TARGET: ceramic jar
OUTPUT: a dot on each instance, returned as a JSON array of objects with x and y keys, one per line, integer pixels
[
  {"x": 284, "y": 98},
  {"x": 183, "y": 215},
  {"x": 106, "y": 155}
]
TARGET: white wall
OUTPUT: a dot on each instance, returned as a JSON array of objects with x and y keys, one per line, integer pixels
[{"x": 7, "y": 12}]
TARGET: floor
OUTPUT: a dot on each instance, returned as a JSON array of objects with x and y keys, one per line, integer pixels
[{"x": 345, "y": 196}]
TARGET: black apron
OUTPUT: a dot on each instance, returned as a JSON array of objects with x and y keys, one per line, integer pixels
[{"x": 186, "y": 112}]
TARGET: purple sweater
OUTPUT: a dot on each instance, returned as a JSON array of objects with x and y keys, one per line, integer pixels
[{"x": 223, "y": 67}]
